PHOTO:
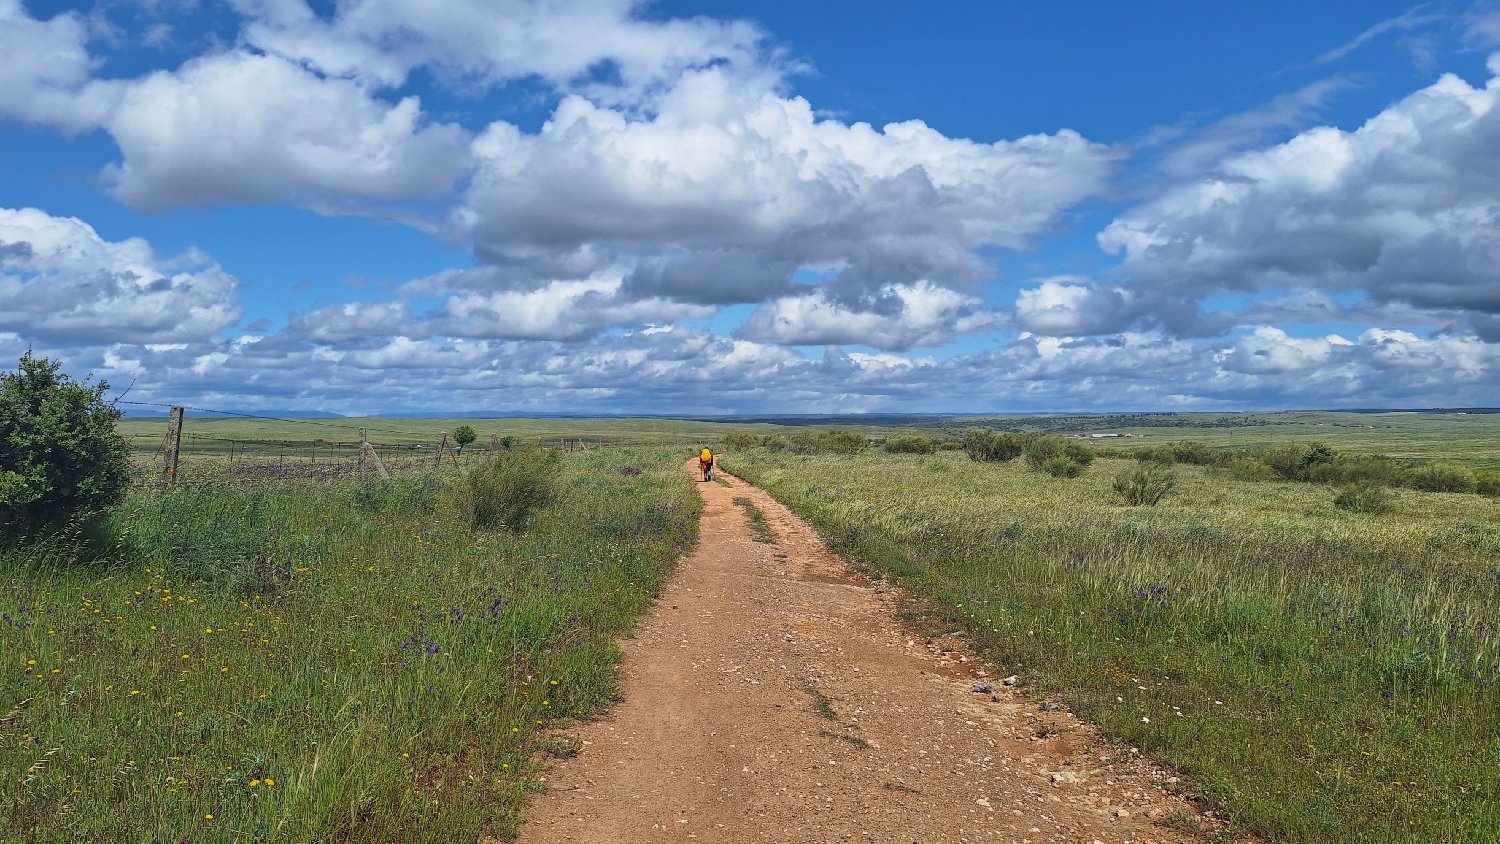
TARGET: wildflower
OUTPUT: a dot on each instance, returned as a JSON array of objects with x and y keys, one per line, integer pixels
[
  {"x": 254, "y": 783},
  {"x": 406, "y": 756},
  {"x": 270, "y": 781},
  {"x": 208, "y": 817}
]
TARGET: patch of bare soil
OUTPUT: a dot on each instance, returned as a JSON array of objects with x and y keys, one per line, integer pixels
[{"x": 772, "y": 695}]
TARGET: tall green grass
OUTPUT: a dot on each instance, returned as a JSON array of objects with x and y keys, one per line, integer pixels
[
  {"x": 1323, "y": 675},
  {"x": 316, "y": 662}
]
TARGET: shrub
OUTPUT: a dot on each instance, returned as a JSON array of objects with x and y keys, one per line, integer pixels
[
  {"x": 1154, "y": 454},
  {"x": 1042, "y": 450},
  {"x": 774, "y": 442},
  {"x": 988, "y": 446},
  {"x": 1245, "y": 468},
  {"x": 1062, "y": 466},
  {"x": 1441, "y": 477},
  {"x": 1488, "y": 484},
  {"x": 464, "y": 436},
  {"x": 1364, "y": 497},
  {"x": 1294, "y": 461},
  {"x": 508, "y": 491},
  {"x": 60, "y": 458},
  {"x": 828, "y": 442},
  {"x": 844, "y": 442},
  {"x": 1195, "y": 453},
  {"x": 740, "y": 441},
  {"x": 1342, "y": 470},
  {"x": 910, "y": 445},
  {"x": 1146, "y": 485}
]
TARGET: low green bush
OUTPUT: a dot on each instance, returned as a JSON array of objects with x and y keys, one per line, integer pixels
[
  {"x": 1487, "y": 484},
  {"x": 1042, "y": 451},
  {"x": 1192, "y": 452},
  {"x": 1365, "y": 497},
  {"x": 740, "y": 442},
  {"x": 1146, "y": 485},
  {"x": 1441, "y": 477},
  {"x": 1344, "y": 470},
  {"x": 989, "y": 446},
  {"x": 1062, "y": 466},
  {"x": 827, "y": 442},
  {"x": 910, "y": 445},
  {"x": 1249, "y": 469},
  {"x": 509, "y": 490},
  {"x": 775, "y": 442}
]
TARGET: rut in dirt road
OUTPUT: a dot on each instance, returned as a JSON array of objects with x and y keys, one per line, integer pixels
[{"x": 771, "y": 695}]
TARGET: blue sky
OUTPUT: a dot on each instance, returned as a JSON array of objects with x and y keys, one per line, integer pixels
[{"x": 685, "y": 207}]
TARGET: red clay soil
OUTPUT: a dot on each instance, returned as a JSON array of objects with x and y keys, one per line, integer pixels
[{"x": 772, "y": 695}]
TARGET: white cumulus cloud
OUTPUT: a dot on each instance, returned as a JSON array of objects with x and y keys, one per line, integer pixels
[
  {"x": 1402, "y": 209},
  {"x": 61, "y": 282}
]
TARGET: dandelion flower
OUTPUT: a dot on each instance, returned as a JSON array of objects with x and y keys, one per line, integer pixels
[
  {"x": 254, "y": 783},
  {"x": 270, "y": 781},
  {"x": 208, "y": 817}
]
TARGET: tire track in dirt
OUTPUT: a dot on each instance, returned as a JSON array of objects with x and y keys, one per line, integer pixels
[{"x": 772, "y": 695}]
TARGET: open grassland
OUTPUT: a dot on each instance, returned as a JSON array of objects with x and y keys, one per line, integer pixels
[
  {"x": 1469, "y": 438},
  {"x": 318, "y": 661},
  {"x": 1322, "y": 675},
  {"x": 295, "y": 439}
]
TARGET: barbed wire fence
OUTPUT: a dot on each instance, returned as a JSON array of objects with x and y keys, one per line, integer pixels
[{"x": 339, "y": 449}]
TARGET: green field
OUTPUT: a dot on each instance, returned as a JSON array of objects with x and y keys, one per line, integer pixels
[
  {"x": 305, "y": 660},
  {"x": 283, "y": 648},
  {"x": 1321, "y": 675}
]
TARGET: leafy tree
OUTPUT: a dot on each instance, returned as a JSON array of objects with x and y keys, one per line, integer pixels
[
  {"x": 60, "y": 458},
  {"x": 464, "y": 435}
]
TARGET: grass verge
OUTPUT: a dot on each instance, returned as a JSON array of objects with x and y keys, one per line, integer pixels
[
  {"x": 310, "y": 662},
  {"x": 760, "y": 529}
]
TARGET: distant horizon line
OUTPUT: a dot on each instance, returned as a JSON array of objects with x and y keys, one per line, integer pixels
[{"x": 273, "y": 415}]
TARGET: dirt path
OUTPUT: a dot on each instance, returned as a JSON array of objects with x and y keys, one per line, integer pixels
[{"x": 772, "y": 695}]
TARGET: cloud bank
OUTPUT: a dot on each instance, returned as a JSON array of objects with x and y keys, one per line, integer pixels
[{"x": 677, "y": 174}]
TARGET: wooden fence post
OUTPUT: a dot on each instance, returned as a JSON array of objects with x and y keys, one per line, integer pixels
[
  {"x": 362, "y": 445},
  {"x": 174, "y": 443},
  {"x": 442, "y": 444}
]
